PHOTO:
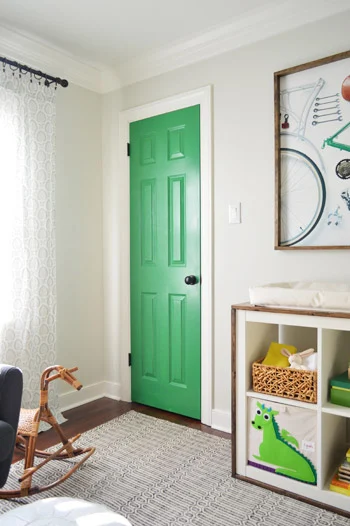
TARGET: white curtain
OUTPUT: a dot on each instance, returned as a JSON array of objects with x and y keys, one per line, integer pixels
[{"x": 27, "y": 229}]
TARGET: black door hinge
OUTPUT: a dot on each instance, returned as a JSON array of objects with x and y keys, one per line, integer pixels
[
  {"x": 128, "y": 149},
  {"x": 129, "y": 359}
]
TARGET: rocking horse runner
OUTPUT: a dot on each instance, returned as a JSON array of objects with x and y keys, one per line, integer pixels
[{"x": 27, "y": 434}]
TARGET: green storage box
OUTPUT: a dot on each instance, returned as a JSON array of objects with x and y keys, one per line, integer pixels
[{"x": 340, "y": 389}]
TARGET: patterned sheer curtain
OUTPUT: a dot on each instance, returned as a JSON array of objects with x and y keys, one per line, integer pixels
[{"x": 27, "y": 229}]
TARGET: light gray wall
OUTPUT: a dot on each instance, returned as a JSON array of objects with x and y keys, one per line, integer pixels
[
  {"x": 79, "y": 234},
  {"x": 243, "y": 130},
  {"x": 114, "y": 233}
]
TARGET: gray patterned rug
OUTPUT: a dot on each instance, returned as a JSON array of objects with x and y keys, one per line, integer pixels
[{"x": 157, "y": 473}]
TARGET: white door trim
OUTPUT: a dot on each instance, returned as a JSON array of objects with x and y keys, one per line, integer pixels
[{"x": 201, "y": 96}]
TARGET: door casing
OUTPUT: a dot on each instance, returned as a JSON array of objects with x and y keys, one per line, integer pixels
[{"x": 201, "y": 96}]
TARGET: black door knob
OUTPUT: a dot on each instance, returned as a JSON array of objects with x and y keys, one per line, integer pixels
[{"x": 190, "y": 280}]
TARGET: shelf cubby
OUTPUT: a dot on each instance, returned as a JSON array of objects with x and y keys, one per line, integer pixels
[
  {"x": 329, "y": 334},
  {"x": 333, "y": 440},
  {"x": 335, "y": 358}
]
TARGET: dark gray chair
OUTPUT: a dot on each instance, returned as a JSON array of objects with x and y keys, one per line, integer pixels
[{"x": 11, "y": 387}]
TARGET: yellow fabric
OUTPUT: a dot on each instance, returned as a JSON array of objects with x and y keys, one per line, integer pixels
[
  {"x": 274, "y": 356},
  {"x": 339, "y": 489}
]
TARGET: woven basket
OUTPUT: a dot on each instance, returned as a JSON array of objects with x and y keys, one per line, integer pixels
[{"x": 285, "y": 382}]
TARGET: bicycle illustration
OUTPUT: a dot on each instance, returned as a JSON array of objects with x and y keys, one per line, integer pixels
[
  {"x": 340, "y": 145},
  {"x": 303, "y": 189}
]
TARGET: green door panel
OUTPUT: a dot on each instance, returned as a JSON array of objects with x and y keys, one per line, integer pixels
[{"x": 164, "y": 249}]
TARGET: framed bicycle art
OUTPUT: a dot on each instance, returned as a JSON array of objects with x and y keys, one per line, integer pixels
[{"x": 312, "y": 154}]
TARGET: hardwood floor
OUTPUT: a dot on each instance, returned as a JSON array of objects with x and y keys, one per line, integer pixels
[{"x": 93, "y": 414}]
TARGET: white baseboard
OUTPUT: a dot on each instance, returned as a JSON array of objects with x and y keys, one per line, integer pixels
[
  {"x": 112, "y": 390},
  {"x": 221, "y": 420},
  {"x": 89, "y": 393}
]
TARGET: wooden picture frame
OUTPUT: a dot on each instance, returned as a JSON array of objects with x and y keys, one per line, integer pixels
[{"x": 312, "y": 155}]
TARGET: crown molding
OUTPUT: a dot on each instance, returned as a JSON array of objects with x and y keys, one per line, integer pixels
[
  {"x": 251, "y": 27},
  {"x": 42, "y": 56},
  {"x": 256, "y": 25}
]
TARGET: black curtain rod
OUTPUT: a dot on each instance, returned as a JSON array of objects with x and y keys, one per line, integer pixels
[{"x": 37, "y": 74}]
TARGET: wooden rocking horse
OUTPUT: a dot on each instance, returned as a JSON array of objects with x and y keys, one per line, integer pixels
[{"x": 27, "y": 434}]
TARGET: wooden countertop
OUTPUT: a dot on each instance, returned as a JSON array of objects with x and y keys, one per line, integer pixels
[{"x": 291, "y": 310}]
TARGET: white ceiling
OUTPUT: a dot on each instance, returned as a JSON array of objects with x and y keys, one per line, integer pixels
[
  {"x": 113, "y": 31},
  {"x": 101, "y": 44}
]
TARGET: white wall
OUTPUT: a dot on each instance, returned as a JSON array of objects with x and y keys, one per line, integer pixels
[
  {"x": 113, "y": 240},
  {"x": 79, "y": 238},
  {"x": 242, "y": 83}
]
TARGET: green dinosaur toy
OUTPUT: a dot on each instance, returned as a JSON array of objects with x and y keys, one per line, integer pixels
[{"x": 280, "y": 449}]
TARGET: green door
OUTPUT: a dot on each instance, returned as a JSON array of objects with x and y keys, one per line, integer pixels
[{"x": 165, "y": 249}]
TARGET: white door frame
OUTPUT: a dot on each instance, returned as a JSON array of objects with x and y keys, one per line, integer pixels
[{"x": 201, "y": 96}]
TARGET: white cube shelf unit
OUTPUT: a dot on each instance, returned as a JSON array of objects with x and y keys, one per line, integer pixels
[{"x": 253, "y": 329}]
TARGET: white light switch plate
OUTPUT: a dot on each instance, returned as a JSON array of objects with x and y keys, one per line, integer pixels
[{"x": 234, "y": 213}]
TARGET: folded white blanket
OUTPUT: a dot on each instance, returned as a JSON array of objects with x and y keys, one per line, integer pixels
[{"x": 303, "y": 294}]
